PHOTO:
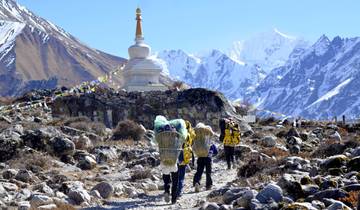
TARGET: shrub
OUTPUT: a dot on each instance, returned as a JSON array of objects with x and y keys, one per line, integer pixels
[
  {"x": 352, "y": 199},
  {"x": 128, "y": 130},
  {"x": 31, "y": 160}
]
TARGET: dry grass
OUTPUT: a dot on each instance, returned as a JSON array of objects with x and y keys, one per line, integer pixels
[
  {"x": 128, "y": 130},
  {"x": 276, "y": 152},
  {"x": 30, "y": 160},
  {"x": 351, "y": 199}
]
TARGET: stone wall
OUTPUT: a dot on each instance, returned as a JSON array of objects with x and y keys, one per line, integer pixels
[{"x": 110, "y": 107}]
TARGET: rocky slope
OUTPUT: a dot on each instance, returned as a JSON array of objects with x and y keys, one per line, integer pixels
[
  {"x": 49, "y": 162},
  {"x": 35, "y": 53},
  {"x": 319, "y": 83}
]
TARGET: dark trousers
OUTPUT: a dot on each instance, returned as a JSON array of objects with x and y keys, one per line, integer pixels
[
  {"x": 182, "y": 171},
  {"x": 202, "y": 163},
  {"x": 229, "y": 155},
  {"x": 172, "y": 178}
]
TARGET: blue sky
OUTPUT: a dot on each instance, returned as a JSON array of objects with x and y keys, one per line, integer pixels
[{"x": 196, "y": 25}]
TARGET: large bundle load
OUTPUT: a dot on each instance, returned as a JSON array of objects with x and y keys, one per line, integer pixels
[
  {"x": 169, "y": 135},
  {"x": 202, "y": 141}
]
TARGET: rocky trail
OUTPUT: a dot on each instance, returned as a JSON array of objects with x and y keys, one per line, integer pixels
[{"x": 189, "y": 199}]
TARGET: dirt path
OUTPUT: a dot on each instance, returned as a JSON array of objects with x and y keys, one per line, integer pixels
[{"x": 188, "y": 200}]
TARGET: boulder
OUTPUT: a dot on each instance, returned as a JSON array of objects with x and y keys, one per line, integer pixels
[
  {"x": 24, "y": 205},
  {"x": 79, "y": 195},
  {"x": 36, "y": 139},
  {"x": 9, "y": 173},
  {"x": 83, "y": 142},
  {"x": 271, "y": 191},
  {"x": 211, "y": 206},
  {"x": 9, "y": 147},
  {"x": 24, "y": 175},
  {"x": 87, "y": 163},
  {"x": 105, "y": 189},
  {"x": 329, "y": 193},
  {"x": 62, "y": 146},
  {"x": 3, "y": 192},
  {"x": 245, "y": 199},
  {"x": 37, "y": 200},
  {"x": 338, "y": 205},
  {"x": 233, "y": 194},
  {"x": 336, "y": 161},
  {"x": 354, "y": 164},
  {"x": 291, "y": 186},
  {"x": 268, "y": 141}
]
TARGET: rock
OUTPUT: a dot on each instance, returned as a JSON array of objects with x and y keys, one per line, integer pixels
[
  {"x": 256, "y": 205},
  {"x": 105, "y": 153},
  {"x": 105, "y": 189},
  {"x": 245, "y": 199},
  {"x": 271, "y": 191},
  {"x": 79, "y": 195},
  {"x": 24, "y": 205},
  {"x": 292, "y": 140},
  {"x": 24, "y": 194},
  {"x": 338, "y": 205},
  {"x": 37, "y": 200},
  {"x": 354, "y": 164},
  {"x": 356, "y": 152},
  {"x": 43, "y": 188},
  {"x": 211, "y": 206},
  {"x": 9, "y": 173},
  {"x": 335, "y": 136},
  {"x": 8, "y": 147},
  {"x": 335, "y": 171},
  {"x": 333, "y": 149},
  {"x": 299, "y": 206},
  {"x": 268, "y": 141},
  {"x": 329, "y": 193},
  {"x": 292, "y": 133},
  {"x": 83, "y": 143},
  {"x": 218, "y": 192},
  {"x": 24, "y": 175},
  {"x": 47, "y": 207},
  {"x": 62, "y": 146},
  {"x": 310, "y": 189},
  {"x": 95, "y": 194},
  {"x": 3, "y": 192},
  {"x": 326, "y": 184},
  {"x": 233, "y": 194},
  {"x": 36, "y": 139},
  {"x": 87, "y": 163},
  {"x": 351, "y": 187},
  {"x": 10, "y": 187},
  {"x": 336, "y": 161},
  {"x": 291, "y": 186}
]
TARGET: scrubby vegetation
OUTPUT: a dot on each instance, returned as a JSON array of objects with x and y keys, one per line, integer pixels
[{"x": 128, "y": 129}]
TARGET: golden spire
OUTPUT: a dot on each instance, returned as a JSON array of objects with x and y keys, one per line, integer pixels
[{"x": 139, "y": 35}]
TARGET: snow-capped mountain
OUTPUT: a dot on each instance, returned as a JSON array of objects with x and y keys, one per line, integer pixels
[
  {"x": 216, "y": 70},
  {"x": 35, "y": 53},
  {"x": 320, "y": 82},
  {"x": 238, "y": 72},
  {"x": 267, "y": 50}
]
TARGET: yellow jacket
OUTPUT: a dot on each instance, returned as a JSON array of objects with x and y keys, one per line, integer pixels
[
  {"x": 187, "y": 148},
  {"x": 232, "y": 134}
]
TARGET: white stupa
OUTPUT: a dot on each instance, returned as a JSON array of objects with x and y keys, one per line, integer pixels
[{"x": 141, "y": 73}]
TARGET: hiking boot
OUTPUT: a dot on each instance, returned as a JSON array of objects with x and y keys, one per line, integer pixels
[
  {"x": 208, "y": 187},
  {"x": 173, "y": 201},
  {"x": 229, "y": 168},
  {"x": 167, "y": 197},
  {"x": 197, "y": 187}
]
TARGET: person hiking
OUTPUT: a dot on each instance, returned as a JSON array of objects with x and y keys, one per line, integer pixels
[
  {"x": 185, "y": 157},
  {"x": 230, "y": 136},
  {"x": 205, "y": 150},
  {"x": 170, "y": 136}
]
